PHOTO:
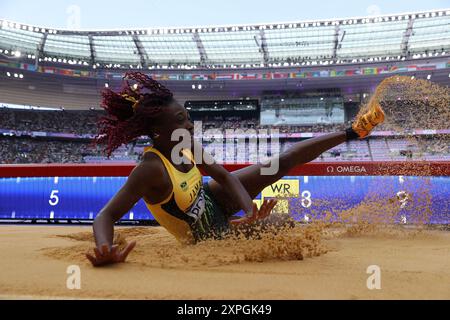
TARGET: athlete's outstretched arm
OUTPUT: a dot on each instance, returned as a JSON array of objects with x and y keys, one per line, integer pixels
[{"x": 138, "y": 182}]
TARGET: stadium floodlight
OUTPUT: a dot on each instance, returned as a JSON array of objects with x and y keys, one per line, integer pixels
[
  {"x": 199, "y": 87},
  {"x": 429, "y": 77},
  {"x": 449, "y": 75},
  {"x": 193, "y": 87},
  {"x": 21, "y": 76},
  {"x": 107, "y": 85},
  {"x": 8, "y": 74},
  {"x": 413, "y": 77},
  {"x": 16, "y": 75}
]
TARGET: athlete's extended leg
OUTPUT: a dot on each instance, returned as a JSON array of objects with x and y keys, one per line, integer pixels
[{"x": 301, "y": 152}]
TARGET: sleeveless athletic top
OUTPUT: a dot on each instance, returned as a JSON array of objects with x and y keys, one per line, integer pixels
[{"x": 182, "y": 213}]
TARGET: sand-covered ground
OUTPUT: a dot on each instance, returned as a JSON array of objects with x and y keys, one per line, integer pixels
[{"x": 34, "y": 262}]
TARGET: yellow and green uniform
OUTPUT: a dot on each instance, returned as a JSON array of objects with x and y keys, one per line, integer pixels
[{"x": 190, "y": 212}]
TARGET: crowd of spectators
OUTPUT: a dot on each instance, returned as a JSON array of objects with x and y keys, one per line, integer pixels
[
  {"x": 34, "y": 149},
  {"x": 64, "y": 121},
  {"x": 28, "y": 150},
  {"x": 85, "y": 122}
]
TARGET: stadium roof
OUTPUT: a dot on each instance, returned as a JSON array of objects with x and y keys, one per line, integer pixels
[{"x": 321, "y": 42}]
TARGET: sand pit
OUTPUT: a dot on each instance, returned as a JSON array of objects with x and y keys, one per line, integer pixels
[{"x": 413, "y": 266}]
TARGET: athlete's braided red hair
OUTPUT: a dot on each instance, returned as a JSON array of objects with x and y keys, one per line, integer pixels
[{"x": 130, "y": 111}]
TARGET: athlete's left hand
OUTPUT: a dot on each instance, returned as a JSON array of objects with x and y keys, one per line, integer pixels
[{"x": 257, "y": 214}]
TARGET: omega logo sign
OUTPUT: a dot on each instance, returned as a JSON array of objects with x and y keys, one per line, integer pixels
[{"x": 346, "y": 169}]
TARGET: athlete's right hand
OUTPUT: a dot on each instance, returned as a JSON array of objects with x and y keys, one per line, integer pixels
[
  {"x": 105, "y": 256},
  {"x": 257, "y": 214}
]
